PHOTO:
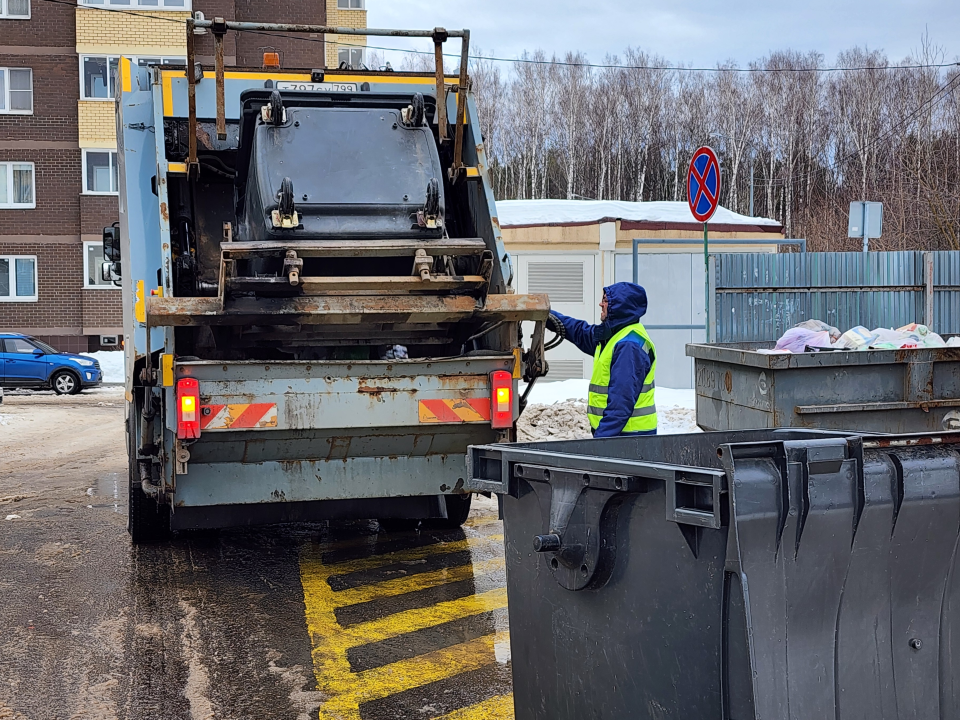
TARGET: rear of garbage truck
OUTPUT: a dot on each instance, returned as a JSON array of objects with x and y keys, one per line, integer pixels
[{"x": 317, "y": 306}]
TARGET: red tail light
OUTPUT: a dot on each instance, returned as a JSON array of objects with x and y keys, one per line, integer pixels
[
  {"x": 501, "y": 399},
  {"x": 188, "y": 409}
]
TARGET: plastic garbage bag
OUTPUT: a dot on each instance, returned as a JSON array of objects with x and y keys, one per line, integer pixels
[
  {"x": 857, "y": 337},
  {"x": 397, "y": 352},
  {"x": 915, "y": 329},
  {"x": 894, "y": 339},
  {"x": 954, "y": 341},
  {"x": 797, "y": 340},
  {"x": 932, "y": 340},
  {"x": 820, "y": 326}
]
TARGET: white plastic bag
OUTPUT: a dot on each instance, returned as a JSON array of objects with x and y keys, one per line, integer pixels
[
  {"x": 856, "y": 338},
  {"x": 954, "y": 341},
  {"x": 797, "y": 339},
  {"x": 820, "y": 326}
]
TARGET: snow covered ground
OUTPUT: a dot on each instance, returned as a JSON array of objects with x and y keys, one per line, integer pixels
[
  {"x": 558, "y": 411},
  {"x": 111, "y": 362}
]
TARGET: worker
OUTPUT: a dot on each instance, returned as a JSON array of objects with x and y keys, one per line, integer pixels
[{"x": 621, "y": 399}]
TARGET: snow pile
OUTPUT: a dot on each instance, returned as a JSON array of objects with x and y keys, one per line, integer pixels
[
  {"x": 558, "y": 411},
  {"x": 3, "y": 420},
  {"x": 515, "y": 213},
  {"x": 111, "y": 362}
]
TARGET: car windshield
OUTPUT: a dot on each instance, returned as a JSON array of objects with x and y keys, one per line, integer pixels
[{"x": 49, "y": 350}]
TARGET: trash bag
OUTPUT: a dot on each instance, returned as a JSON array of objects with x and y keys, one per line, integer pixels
[
  {"x": 397, "y": 352},
  {"x": 820, "y": 326},
  {"x": 954, "y": 341},
  {"x": 797, "y": 340},
  {"x": 857, "y": 338}
]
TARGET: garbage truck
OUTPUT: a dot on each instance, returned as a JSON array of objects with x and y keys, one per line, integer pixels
[{"x": 318, "y": 311}]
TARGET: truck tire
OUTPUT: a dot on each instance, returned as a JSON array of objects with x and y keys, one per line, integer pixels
[
  {"x": 458, "y": 508},
  {"x": 147, "y": 520},
  {"x": 65, "y": 382}
]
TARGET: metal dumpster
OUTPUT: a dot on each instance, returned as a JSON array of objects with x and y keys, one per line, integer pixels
[
  {"x": 880, "y": 391},
  {"x": 770, "y": 575}
]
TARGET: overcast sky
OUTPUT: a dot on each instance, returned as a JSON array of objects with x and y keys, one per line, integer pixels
[{"x": 698, "y": 32}]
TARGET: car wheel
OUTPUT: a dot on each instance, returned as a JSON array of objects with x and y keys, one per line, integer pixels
[{"x": 65, "y": 383}]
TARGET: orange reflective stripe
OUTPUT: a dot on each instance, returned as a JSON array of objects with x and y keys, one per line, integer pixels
[{"x": 455, "y": 411}]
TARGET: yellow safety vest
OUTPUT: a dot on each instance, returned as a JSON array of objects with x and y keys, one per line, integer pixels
[{"x": 644, "y": 418}]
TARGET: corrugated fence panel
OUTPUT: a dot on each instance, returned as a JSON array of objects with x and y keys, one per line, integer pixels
[{"x": 759, "y": 295}]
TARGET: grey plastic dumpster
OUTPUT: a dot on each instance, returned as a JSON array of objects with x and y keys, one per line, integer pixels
[
  {"x": 769, "y": 575},
  {"x": 882, "y": 391}
]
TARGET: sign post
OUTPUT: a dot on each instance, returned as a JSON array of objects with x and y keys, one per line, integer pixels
[{"x": 703, "y": 196}]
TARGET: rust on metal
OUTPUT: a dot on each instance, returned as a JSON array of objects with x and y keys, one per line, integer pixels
[
  {"x": 192, "y": 164},
  {"x": 164, "y": 213},
  {"x": 344, "y": 310},
  {"x": 219, "y": 29},
  {"x": 461, "y": 107},
  {"x": 888, "y": 442},
  {"x": 439, "y": 36}
]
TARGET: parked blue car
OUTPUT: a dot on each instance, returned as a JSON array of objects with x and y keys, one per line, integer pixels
[{"x": 26, "y": 362}]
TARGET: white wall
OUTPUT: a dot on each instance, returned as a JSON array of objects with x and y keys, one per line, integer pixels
[{"x": 557, "y": 274}]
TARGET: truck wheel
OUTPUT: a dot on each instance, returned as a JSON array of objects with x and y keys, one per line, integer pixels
[
  {"x": 147, "y": 520},
  {"x": 458, "y": 508},
  {"x": 392, "y": 525},
  {"x": 65, "y": 383}
]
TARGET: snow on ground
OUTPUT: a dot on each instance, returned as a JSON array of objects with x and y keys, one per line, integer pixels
[
  {"x": 111, "y": 362},
  {"x": 513, "y": 213},
  {"x": 558, "y": 411}
]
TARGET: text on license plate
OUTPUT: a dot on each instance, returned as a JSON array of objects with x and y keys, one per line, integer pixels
[{"x": 317, "y": 87}]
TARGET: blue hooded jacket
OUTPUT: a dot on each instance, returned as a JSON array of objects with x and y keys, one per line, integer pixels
[{"x": 626, "y": 304}]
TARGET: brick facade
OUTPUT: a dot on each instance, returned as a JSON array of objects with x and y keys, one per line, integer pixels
[{"x": 66, "y": 314}]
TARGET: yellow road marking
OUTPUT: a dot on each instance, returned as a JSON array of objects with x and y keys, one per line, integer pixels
[
  {"x": 418, "y": 619},
  {"x": 330, "y": 642},
  {"x": 420, "y": 581},
  {"x": 401, "y": 556},
  {"x": 495, "y": 708},
  {"x": 381, "y": 682}
]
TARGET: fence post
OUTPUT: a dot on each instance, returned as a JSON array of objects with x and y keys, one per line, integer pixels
[
  {"x": 928, "y": 290},
  {"x": 710, "y": 331}
]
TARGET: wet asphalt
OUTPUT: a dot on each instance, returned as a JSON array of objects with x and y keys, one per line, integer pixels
[{"x": 330, "y": 621}]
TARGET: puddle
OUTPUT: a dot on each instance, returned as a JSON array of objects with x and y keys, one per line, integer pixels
[{"x": 110, "y": 486}]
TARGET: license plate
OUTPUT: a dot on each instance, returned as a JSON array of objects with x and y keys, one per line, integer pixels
[{"x": 317, "y": 87}]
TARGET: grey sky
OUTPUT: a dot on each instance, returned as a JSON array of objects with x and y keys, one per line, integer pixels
[{"x": 696, "y": 32}]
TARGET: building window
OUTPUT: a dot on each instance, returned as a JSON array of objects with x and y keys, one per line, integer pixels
[
  {"x": 18, "y": 278},
  {"x": 126, "y": 4},
  {"x": 145, "y": 61},
  {"x": 15, "y": 9},
  {"x": 98, "y": 76},
  {"x": 92, "y": 262},
  {"x": 100, "y": 172},
  {"x": 350, "y": 57},
  {"x": 16, "y": 186},
  {"x": 98, "y": 73},
  {"x": 350, "y": 4},
  {"x": 16, "y": 90}
]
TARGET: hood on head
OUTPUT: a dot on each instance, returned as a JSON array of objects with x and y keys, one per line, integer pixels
[{"x": 626, "y": 304}]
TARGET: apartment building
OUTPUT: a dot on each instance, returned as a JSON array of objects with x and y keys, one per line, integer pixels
[{"x": 58, "y": 162}]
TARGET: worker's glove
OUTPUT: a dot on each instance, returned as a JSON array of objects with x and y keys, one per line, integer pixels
[{"x": 554, "y": 325}]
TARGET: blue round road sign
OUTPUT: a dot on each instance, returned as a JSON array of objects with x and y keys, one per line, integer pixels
[{"x": 703, "y": 184}]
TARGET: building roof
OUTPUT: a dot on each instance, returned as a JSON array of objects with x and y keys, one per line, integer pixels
[{"x": 633, "y": 215}]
